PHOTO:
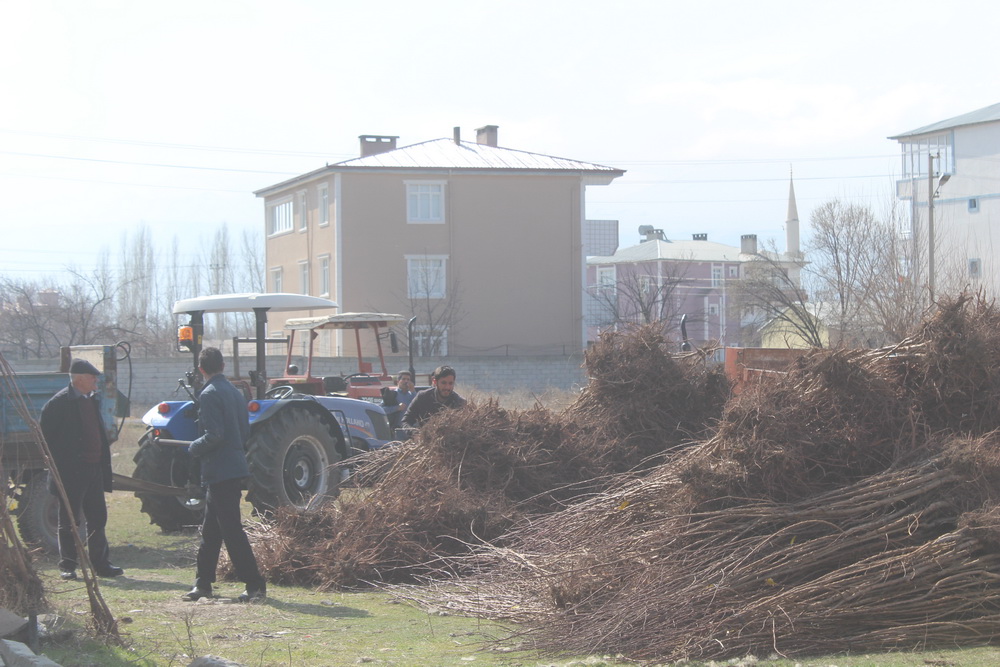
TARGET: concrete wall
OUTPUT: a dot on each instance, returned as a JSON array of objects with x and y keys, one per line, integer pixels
[{"x": 155, "y": 379}]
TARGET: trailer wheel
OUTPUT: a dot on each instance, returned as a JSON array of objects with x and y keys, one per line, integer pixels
[
  {"x": 166, "y": 465},
  {"x": 38, "y": 515},
  {"x": 291, "y": 458}
]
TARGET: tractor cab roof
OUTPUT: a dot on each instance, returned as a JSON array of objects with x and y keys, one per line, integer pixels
[
  {"x": 344, "y": 321},
  {"x": 234, "y": 303}
]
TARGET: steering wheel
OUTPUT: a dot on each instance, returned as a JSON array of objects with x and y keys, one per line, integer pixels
[{"x": 279, "y": 392}]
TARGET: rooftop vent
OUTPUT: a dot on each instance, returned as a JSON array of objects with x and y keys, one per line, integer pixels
[
  {"x": 373, "y": 144},
  {"x": 748, "y": 244},
  {"x": 700, "y": 237},
  {"x": 651, "y": 234}
]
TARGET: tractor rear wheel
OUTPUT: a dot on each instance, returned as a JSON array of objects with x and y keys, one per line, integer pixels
[
  {"x": 38, "y": 515},
  {"x": 166, "y": 465},
  {"x": 291, "y": 460}
]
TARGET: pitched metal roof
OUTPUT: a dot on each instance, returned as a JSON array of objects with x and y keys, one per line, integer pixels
[
  {"x": 648, "y": 251},
  {"x": 445, "y": 154},
  {"x": 985, "y": 115},
  {"x": 692, "y": 251}
]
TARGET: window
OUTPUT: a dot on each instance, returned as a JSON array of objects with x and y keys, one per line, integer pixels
[
  {"x": 324, "y": 205},
  {"x": 916, "y": 152},
  {"x": 606, "y": 276},
  {"x": 734, "y": 271},
  {"x": 713, "y": 309},
  {"x": 973, "y": 205},
  {"x": 646, "y": 284},
  {"x": 303, "y": 211},
  {"x": 425, "y": 202},
  {"x": 426, "y": 276},
  {"x": 279, "y": 218},
  {"x": 716, "y": 276},
  {"x": 429, "y": 341},
  {"x": 324, "y": 275},
  {"x": 975, "y": 269},
  {"x": 304, "y": 277},
  {"x": 276, "y": 280}
]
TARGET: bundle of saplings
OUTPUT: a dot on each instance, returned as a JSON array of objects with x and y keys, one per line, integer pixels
[{"x": 850, "y": 505}]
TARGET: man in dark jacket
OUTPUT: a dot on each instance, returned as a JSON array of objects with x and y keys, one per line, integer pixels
[
  {"x": 225, "y": 423},
  {"x": 78, "y": 440},
  {"x": 431, "y": 401}
]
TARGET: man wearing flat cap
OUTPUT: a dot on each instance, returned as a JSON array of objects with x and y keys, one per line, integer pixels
[{"x": 74, "y": 430}]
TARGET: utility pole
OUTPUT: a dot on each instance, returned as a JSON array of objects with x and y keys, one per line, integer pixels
[{"x": 930, "y": 225}]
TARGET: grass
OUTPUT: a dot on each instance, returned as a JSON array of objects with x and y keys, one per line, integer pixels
[{"x": 300, "y": 626}]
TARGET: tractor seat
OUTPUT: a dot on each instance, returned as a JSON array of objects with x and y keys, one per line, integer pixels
[{"x": 333, "y": 384}]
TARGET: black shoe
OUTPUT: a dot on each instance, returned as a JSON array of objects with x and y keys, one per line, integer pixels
[
  {"x": 67, "y": 575},
  {"x": 252, "y": 595},
  {"x": 196, "y": 594},
  {"x": 109, "y": 571}
]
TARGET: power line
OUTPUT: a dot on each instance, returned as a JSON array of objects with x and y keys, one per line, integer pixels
[
  {"x": 134, "y": 142},
  {"x": 147, "y": 164}
]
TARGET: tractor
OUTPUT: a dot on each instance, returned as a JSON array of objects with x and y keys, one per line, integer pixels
[{"x": 299, "y": 431}]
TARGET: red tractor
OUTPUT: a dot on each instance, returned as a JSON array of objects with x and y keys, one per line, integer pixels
[{"x": 365, "y": 384}]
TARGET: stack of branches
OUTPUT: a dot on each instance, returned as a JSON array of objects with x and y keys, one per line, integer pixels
[
  {"x": 465, "y": 479},
  {"x": 644, "y": 402},
  {"x": 843, "y": 508},
  {"x": 470, "y": 475}
]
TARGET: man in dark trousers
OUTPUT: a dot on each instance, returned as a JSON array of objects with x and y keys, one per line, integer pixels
[
  {"x": 78, "y": 440},
  {"x": 225, "y": 423},
  {"x": 441, "y": 395}
]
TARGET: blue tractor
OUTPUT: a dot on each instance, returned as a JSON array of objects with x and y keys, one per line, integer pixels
[{"x": 299, "y": 433}]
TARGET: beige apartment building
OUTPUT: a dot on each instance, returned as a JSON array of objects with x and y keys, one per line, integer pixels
[{"x": 484, "y": 245}]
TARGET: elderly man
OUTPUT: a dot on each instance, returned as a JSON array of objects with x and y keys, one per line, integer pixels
[{"x": 78, "y": 440}]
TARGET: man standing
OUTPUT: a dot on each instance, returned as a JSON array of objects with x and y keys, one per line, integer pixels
[
  {"x": 78, "y": 440},
  {"x": 403, "y": 394},
  {"x": 431, "y": 401},
  {"x": 225, "y": 423}
]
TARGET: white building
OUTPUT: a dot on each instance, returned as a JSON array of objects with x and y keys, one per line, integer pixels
[{"x": 962, "y": 157}]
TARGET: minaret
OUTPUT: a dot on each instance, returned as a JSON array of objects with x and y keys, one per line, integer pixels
[{"x": 792, "y": 223}]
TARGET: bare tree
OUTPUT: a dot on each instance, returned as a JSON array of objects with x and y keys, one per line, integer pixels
[
  {"x": 436, "y": 303},
  {"x": 639, "y": 294},
  {"x": 769, "y": 292}
]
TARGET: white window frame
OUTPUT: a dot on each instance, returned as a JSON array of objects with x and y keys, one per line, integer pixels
[
  {"x": 303, "y": 210},
  {"x": 280, "y": 216},
  {"x": 324, "y": 205},
  {"x": 304, "y": 276},
  {"x": 277, "y": 278},
  {"x": 716, "y": 276},
  {"x": 606, "y": 276},
  {"x": 713, "y": 309},
  {"x": 425, "y": 202},
  {"x": 734, "y": 271},
  {"x": 418, "y": 266},
  {"x": 422, "y": 332},
  {"x": 324, "y": 275}
]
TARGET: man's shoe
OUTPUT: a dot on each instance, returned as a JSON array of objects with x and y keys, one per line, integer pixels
[
  {"x": 196, "y": 594},
  {"x": 109, "y": 571},
  {"x": 252, "y": 595},
  {"x": 67, "y": 575}
]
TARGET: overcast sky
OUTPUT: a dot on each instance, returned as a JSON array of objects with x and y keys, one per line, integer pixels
[{"x": 120, "y": 114}]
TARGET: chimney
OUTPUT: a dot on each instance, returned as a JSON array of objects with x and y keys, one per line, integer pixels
[
  {"x": 700, "y": 237},
  {"x": 748, "y": 244},
  {"x": 487, "y": 135},
  {"x": 457, "y": 133},
  {"x": 373, "y": 144}
]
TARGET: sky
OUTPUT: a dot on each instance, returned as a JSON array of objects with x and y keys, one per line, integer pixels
[{"x": 121, "y": 115}]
